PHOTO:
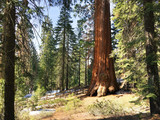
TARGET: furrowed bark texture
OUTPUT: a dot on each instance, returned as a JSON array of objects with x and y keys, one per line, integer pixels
[{"x": 103, "y": 74}]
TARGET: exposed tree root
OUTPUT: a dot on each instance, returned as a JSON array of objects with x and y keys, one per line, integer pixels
[{"x": 102, "y": 88}]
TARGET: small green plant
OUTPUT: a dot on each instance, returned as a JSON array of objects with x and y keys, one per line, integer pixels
[
  {"x": 23, "y": 116},
  {"x": 43, "y": 102},
  {"x": 57, "y": 102},
  {"x": 73, "y": 103},
  {"x": 71, "y": 95},
  {"x": 40, "y": 91},
  {"x": 33, "y": 101},
  {"x": 105, "y": 107}
]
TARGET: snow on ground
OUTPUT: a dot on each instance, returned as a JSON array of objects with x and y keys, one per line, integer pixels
[{"x": 44, "y": 111}]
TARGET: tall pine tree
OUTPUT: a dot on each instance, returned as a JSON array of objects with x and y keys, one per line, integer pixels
[
  {"x": 67, "y": 42},
  {"x": 48, "y": 55}
]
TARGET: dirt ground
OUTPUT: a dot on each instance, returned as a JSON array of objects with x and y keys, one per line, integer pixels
[{"x": 140, "y": 112}]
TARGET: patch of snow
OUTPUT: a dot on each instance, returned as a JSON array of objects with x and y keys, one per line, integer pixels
[
  {"x": 32, "y": 113},
  {"x": 47, "y": 97},
  {"x": 26, "y": 110},
  {"x": 52, "y": 92}
]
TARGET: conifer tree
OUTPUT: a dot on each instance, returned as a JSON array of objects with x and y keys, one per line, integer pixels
[
  {"x": 9, "y": 49},
  {"x": 151, "y": 56},
  {"x": 132, "y": 53},
  {"x": 48, "y": 54},
  {"x": 10, "y": 44},
  {"x": 67, "y": 40},
  {"x": 85, "y": 25}
]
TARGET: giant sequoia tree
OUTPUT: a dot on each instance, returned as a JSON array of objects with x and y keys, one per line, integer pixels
[{"x": 103, "y": 74}]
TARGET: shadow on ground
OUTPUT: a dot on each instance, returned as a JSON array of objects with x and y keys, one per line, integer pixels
[
  {"x": 142, "y": 116},
  {"x": 128, "y": 117}
]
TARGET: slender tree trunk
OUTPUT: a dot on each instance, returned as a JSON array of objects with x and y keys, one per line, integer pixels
[
  {"x": 63, "y": 58},
  {"x": 67, "y": 65},
  {"x": 79, "y": 70},
  {"x": 9, "y": 28},
  {"x": 103, "y": 74},
  {"x": 151, "y": 56},
  {"x": 86, "y": 71}
]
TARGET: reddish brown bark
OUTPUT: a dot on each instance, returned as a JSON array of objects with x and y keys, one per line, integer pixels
[{"x": 103, "y": 74}]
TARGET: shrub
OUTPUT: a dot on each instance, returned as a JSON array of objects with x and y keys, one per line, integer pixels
[
  {"x": 57, "y": 102},
  {"x": 73, "y": 103},
  {"x": 105, "y": 107},
  {"x": 33, "y": 101},
  {"x": 22, "y": 115}
]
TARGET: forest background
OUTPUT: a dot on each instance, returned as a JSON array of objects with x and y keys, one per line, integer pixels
[{"x": 65, "y": 59}]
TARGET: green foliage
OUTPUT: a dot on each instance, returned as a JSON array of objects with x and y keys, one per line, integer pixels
[
  {"x": 23, "y": 116},
  {"x": 33, "y": 101},
  {"x": 131, "y": 61},
  {"x": 1, "y": 98},
  {"x": 106, "y": 107},
  {"x": 70, "y": 103},
  {"x": 67, "y": 59},
  {"x": 151, "y": 95},
  {"x": 26, "y": 72},
  {"x": 20, "y": 101},
  {"x": 47, "y": 56},
  {"x": 40, "y": 91},
  {"x": 73, "y": 104},
  {"x": 57, "y": 102},
  {"x": 130, "y": 54},
  {"x": 85, "y": 12}
]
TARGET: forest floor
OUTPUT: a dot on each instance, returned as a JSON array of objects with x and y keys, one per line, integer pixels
[{"x": 121, "y": 108}]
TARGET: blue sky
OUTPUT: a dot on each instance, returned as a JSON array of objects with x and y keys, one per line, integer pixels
[{"x": 53, "y": 13}]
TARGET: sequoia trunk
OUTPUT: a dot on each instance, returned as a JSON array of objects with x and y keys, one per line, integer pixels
[{"x": 103, "y": 74}]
